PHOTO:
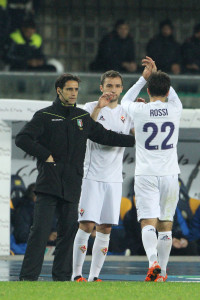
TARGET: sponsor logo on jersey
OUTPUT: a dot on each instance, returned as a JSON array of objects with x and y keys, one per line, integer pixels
[
  {"x": 102, "y": 118},
  {"x": 56, "y": 119},
  {"x": 80, "y": 124},
  {"x": 165, "y": 238},
  {"x": 123, "y": 119},
  {"x": 81, "y": 211},
  {"x": 83, "y": 248},
  {"x": 104, "y": 251}
]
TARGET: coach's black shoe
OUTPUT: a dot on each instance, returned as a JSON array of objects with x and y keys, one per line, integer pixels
[{"x": 27, "y": 279}]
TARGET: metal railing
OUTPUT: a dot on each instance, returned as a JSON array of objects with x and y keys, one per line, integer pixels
[{"x": 40, "y": 86}]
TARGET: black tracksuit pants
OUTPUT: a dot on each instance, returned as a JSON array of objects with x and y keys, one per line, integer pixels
[{"x": 67, "y": 226}]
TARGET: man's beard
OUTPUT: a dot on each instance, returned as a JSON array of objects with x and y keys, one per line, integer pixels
[{"x": 114, "y": 100}]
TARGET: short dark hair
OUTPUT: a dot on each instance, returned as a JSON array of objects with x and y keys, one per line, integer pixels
[
  {"x": 158, "y": 84},
  {"x": 62, "y": 79},
  {"x": 120, "y": 22},
  {"x": 110, "y": 74},
  {"x": 28, "y": 23},
  {"x": 166, "y": 22}
]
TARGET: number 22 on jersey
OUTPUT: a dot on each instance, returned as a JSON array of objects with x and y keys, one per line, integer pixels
[{"x": 155, "y": 130}]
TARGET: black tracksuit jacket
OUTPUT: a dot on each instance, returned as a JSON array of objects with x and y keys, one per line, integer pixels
[{"x": 62, "y": 131}]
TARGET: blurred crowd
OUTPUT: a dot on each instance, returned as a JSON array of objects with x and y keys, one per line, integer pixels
[
  {"x": 125, "y": 238},
  {"x": 21, "y": 208},
  {"x": 117, "y": 50},
  {"x": 21, "y": 46}
]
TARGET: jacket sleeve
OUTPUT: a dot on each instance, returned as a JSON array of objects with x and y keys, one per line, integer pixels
[
  {"x": 27, "y": 138},
  {"x": 100, "y": 135}
]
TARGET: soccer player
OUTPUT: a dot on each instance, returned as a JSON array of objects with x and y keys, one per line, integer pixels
[
  {"x": 156, "y": 174},
  {"x": 102, "y": 184}
]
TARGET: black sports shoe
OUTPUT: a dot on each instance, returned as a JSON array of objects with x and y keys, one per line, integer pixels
[
  {"x": 79, "y": 278},
  {"x": 97, "y": 279}
]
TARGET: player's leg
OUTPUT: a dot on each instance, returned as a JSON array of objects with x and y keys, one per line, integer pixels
[
  {"x": 109, "y": 215},
  {"x": 169, "y": 195},
  {"x": 43, "y": 215},
  {"x": 148, "y": 211},
  {"x": 164, "y": 246},
  {"x": 80, "y": 248},
  {"x": 89, "y": 214},
  {"x": 99, "y": 251},
  {"x": 149, "y": 239}
]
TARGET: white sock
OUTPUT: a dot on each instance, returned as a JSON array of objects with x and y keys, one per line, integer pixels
[
  {"x": 149, "y": 239},
  {"x": 164, "y": 248},
  {"x": 79, "y": 252},
  {"x": 99, "y": 251}
]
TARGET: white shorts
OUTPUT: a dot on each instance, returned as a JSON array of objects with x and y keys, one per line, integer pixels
[
  {"x": 156, "y": 197},
  {"x": 100, "y": 202}
]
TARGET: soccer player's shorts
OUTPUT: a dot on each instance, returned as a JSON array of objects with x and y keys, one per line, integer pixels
[
  {"x": 156, "y": 197},
  {"x": 100, "y": 202}
]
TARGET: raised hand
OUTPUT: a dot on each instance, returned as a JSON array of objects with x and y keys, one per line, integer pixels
[
  {"x": 105, "y": 99},
  {"x": 150, "y": 67}
]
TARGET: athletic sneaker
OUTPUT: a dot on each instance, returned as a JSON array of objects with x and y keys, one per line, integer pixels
[
  {"x": 97, "y": 279},
  {"x": 160, "y": 278},
  {"x": 79, "y": 279},
  {"x": 153, "y": 272}
]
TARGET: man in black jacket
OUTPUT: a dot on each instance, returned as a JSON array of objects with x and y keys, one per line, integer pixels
[
  {"x": 164, "y": 49},
  {"x": 116, "y": 51},
  {"x": 57, "y": 137},
  {"x": 23, "y": 49},
  {"x": 190, "y": 52}
]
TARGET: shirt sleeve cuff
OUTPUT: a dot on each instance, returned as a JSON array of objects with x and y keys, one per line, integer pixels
[{"x": 142, "y": 80}]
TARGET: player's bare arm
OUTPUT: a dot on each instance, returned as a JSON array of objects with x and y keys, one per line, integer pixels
[{"x": 103, "y": 101}]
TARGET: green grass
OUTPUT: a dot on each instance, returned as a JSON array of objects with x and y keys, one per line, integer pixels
[{"x": 103, "y": 291}]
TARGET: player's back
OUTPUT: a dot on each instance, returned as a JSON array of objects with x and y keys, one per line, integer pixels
[
  {"x": 156, "y": 125},
  {"x": 156, "y": 133}
]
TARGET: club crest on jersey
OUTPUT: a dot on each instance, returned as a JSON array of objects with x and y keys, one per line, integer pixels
[
  {"x": 104, "y": 251},
  {"x": 80, "y": 124},
  {"x": 123, "y": 119},
  {"x": 102, "y": 118},
  {"x": 81, "y": 211},
  {"x": 83, "y": 248}
]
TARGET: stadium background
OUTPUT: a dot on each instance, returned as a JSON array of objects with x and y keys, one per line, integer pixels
[{"x": 72, "y": 29}]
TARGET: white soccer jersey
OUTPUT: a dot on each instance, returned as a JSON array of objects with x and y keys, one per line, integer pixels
[
  {"x": 104, "y": 163},
  {"x": 156, "y": 131}
]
